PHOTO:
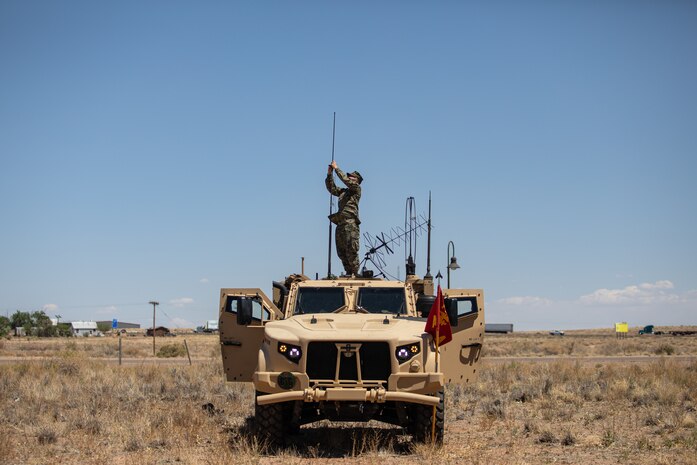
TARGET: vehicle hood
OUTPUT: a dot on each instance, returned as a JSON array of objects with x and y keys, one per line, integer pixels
[{"x": 346, "y": 327}]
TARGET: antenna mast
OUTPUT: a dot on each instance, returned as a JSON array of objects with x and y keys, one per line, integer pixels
[
  {"x": 331, "y": 207},
  {"x": 428, "y": 252},
  {"x": 409, "y": 226}
]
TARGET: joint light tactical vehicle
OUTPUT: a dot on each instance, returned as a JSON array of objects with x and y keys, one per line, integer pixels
[{"x": 348, "y": 349}]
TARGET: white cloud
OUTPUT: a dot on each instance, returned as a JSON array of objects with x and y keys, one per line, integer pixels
[
  {"x": 531, "y": 301},
  {"x": 182, "y": 323},
  {"x": 658, "y": 303},
  {"x": 203, "y": 280},
  {"x": 49, "y": 308},
  {"x": 642, "y": 294},
  {"x": 665, "y": 284},
  {"x": 182, "y": 301}
]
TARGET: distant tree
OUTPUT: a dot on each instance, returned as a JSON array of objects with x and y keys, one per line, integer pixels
[
  {"x": 37, "y": 323},
  {"x": 5, "y": 326},
  {"x": 104, "y": 327},
  {"x": 21, "y": 319},
  {"x": 63, "y": 330},
  {"x": 43, "y": 324}
]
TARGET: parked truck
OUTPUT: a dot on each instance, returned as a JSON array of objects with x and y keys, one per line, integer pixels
[{"x": 348, "y": 349}]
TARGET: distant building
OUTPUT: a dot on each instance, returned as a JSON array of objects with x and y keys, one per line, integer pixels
[
  {"x": 211, "y": 326},
  {"x": 120, "y": 324},
  {"x": 159, "y": 331},
  {"x": 84, "y": 328},
  {"x": 498, "y": 328}
]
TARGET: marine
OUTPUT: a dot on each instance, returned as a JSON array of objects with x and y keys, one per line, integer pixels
[{"x": 346, "y": 219}]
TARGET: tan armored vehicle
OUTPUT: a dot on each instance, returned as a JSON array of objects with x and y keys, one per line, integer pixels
[{"x": 348, "y": 349}]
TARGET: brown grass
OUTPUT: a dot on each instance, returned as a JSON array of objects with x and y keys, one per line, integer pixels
[
  {"x": 72, "y": 408},
  {"x": 200, "y": 346},
  {"x": 587, "y": 343}
]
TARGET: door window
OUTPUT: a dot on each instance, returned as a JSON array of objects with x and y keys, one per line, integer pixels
[
  {"x": 464, "y": 305},
  {"x": 257, "y": 308}
]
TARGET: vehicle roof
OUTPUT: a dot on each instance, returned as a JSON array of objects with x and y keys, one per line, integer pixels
[{"x": 351, "y": 282}]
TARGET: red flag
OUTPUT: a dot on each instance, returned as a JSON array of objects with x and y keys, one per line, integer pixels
[{"x": 438, "y": 323}]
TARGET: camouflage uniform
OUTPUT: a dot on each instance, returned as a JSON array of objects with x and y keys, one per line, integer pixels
[{"x": 346, "y": 220}]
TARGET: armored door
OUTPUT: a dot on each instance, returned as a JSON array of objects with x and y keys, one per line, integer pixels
[
  {"x": 460, "y": 357},
  {"x": 242, "y": 330}
]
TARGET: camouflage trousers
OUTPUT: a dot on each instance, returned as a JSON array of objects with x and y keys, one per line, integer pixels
[{"x": 347, "y": 245}]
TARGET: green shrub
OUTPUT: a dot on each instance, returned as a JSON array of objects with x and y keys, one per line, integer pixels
[
  {"x": 4, "y": 326},
  {"x": 547, "y": 437},
  {"x": 569, "y": 439},
  {"x": 609, "y": 437},
  {"x": 47, "y": 435},
  {"x": 171, "y": 350},
  {"x": 665, "y": 349}
]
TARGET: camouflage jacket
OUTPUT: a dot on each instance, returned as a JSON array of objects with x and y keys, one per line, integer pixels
[{"x": 348, "y": 198}]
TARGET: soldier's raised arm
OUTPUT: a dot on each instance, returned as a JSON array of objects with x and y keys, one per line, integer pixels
[{"x": 329, "y": 181}]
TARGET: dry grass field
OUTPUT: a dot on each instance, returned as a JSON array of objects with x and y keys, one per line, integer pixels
[
  {"x": 589, "y": 343},
  {"x": 200, "y": 346},
  {"x": 71, "y": 407}
]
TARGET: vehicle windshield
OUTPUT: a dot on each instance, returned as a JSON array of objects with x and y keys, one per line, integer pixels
[
  {"x": 319, "y": 299},
  {"x": 381, "y": 300}
]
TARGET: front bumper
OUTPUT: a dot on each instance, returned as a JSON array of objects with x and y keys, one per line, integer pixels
[{"x": 401, "y": 387}]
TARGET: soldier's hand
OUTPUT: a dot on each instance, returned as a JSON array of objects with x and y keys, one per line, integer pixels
[
  {"x": 333, "y": 165},
  {"x": 330, "y": 169}
]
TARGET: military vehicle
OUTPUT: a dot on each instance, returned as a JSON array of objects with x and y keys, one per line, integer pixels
[{"x": 348, "y": 349}]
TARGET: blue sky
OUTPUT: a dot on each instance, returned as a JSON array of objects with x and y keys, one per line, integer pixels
[{"x": 163, "y": 150}]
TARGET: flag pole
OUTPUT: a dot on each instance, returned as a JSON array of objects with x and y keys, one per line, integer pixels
[
  {"x": 438, "y": 331},
  {"x": 439, "y": 303}
]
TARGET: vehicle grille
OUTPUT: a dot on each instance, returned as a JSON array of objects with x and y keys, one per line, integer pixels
[{"x": 375, "y": 362}]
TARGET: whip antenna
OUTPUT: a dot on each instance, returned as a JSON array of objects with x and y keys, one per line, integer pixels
[
  {"x": 410, "y": 225},
  {"x": 428, "y": 253},
  {"x": 331, "y": 207}
]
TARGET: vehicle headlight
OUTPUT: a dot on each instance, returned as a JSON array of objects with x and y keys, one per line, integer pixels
[
  {"x": 290, "y": 351},
  {"x": 406, "y": 352}
]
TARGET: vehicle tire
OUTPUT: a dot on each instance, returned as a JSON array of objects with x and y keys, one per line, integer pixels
[
  {"x": 421, "y": 420},
  {"x": 273, "y": 422}
]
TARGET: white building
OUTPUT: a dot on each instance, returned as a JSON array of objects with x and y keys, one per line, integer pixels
[{"x": 84, "y": 328}]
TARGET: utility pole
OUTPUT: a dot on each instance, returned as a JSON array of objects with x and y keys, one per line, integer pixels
[{"x": 154, "y": 305}]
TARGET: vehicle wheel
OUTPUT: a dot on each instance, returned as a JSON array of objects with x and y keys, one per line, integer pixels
[
  {"x": 273, "y": 421},
  {"x": 422, "y": 419}
]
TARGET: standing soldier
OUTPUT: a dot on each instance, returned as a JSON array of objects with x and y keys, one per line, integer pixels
[{"x": 346, "y": 219}]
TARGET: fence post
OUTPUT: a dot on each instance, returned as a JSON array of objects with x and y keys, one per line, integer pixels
[{"x": 187, "y": 351}]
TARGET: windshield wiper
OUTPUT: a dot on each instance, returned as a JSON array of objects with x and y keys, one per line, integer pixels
[{"x": 401, "y": 309}]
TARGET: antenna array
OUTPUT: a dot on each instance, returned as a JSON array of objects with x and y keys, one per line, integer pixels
[{"x": 380, "y": 245}]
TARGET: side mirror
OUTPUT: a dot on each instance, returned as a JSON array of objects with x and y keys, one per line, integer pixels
[
  {"x": 424, "y": 304},
  {"x": 244, "y": 311},
  {"x": 451, "y": 308}
]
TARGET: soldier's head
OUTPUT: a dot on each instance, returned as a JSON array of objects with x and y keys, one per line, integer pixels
[{"x": 356, "y": 176}]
